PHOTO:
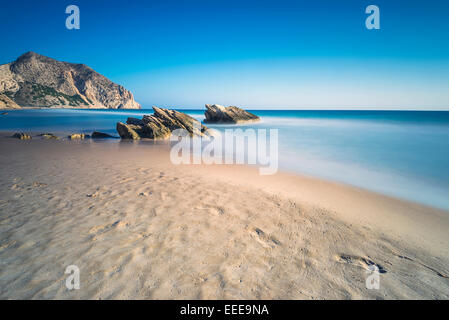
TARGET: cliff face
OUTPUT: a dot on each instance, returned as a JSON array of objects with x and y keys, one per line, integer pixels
[
  {"x": 7, "y": 103},
  {"x": 37, "y": 81}
]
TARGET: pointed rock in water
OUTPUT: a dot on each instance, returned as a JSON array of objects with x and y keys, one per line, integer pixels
[
  {"x": 173, "y": 120},
  {"x": 128, "y": 131},
  {"x": 22, "y": 136},
  {"x": 153, "y": 128},
  {"x": 219, "y": 114},
  {"x": 34, "y": 80},
  {"x": 160, "y": 125},
  {"x": 137, "y": 129}
]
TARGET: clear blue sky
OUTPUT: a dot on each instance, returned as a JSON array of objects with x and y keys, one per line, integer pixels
[{"x": 254, "y": 54}]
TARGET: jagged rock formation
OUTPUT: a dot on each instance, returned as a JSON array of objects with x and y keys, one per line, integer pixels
[
  {"x": 37, "y": 81},
  {"x": 160, "y": 125},
  {"x": 219, "y": 114},
  {"x": 7, "y": 103}
]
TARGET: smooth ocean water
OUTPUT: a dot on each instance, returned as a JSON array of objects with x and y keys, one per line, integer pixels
[{"x": 404, "y": 154}]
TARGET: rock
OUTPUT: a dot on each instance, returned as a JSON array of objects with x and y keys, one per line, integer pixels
[
  {"x": 7, "y": 103},
  {"x": 140, "y": 130},
  {"x": 22, "y": 136},
  {"x": 173, "y": 120},
  {"x": 160, "y": 125},
  {"x": 101, "y": 135},
  {"x": 48, "y": 136},
  {"x": 153, "y": 128},
  {"x": 135, "y": 121},
  {"x": 127, "y": 131},
  {"x": 77, "y": 136},
  {"x": 34, "y": 80},
  {"x": 219, "y": 114}
]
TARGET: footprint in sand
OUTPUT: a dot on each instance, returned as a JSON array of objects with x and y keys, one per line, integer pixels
[
  {"x": 92, "y": 195},
  {"x": 98, "y": 230},
  {"x": 15, "y": 186},
  {"x": 95, "y": 194},
  {"x": 38, "y": 184},
  {"x": 127, "y": 180},
  {"x": 264, "y": 239},
  {"x": 216, "y": 210},
  {"x": 438, "y": 273},
  {"x": 6, "y": 245},
  {"x": 360, "y": 262}
]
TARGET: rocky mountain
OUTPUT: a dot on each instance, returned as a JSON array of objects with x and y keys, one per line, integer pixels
[
  {"x": 219, "y": 114},
  {"x": 34, "y": 80}
]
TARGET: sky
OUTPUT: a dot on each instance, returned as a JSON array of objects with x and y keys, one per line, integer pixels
[{"x": 254, "y": 54}]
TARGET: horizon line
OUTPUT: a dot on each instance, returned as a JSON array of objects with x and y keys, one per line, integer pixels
[{"x": 304, "y": 109}]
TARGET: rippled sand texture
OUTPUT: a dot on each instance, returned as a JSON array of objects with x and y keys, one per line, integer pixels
[{"x": 139, "y": 228}]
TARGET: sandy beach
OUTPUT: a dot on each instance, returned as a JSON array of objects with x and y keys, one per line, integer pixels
[{"x": 139, "y": 227}]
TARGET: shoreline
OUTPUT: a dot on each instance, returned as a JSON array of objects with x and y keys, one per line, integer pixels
[
  {"x": 139, "y": 227},
  {"x": 250, "y": 109},
  {"x": 63, "y": 136}
]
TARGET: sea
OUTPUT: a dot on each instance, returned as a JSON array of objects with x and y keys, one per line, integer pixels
[{"x": 403, "y": 154}]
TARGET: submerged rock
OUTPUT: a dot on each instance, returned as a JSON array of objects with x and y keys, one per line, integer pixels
[
  {"x": 219, "y": 114},
  {"x": 160, "y": 125},
  {"x": 77, "y": 136},
  {"x": 101, "y": 135},
  {"x": 22, "y": 136},
  {"x": 48, "y": 136}
]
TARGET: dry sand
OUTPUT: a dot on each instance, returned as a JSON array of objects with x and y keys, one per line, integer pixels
[{"x": 140, "y": 228}]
